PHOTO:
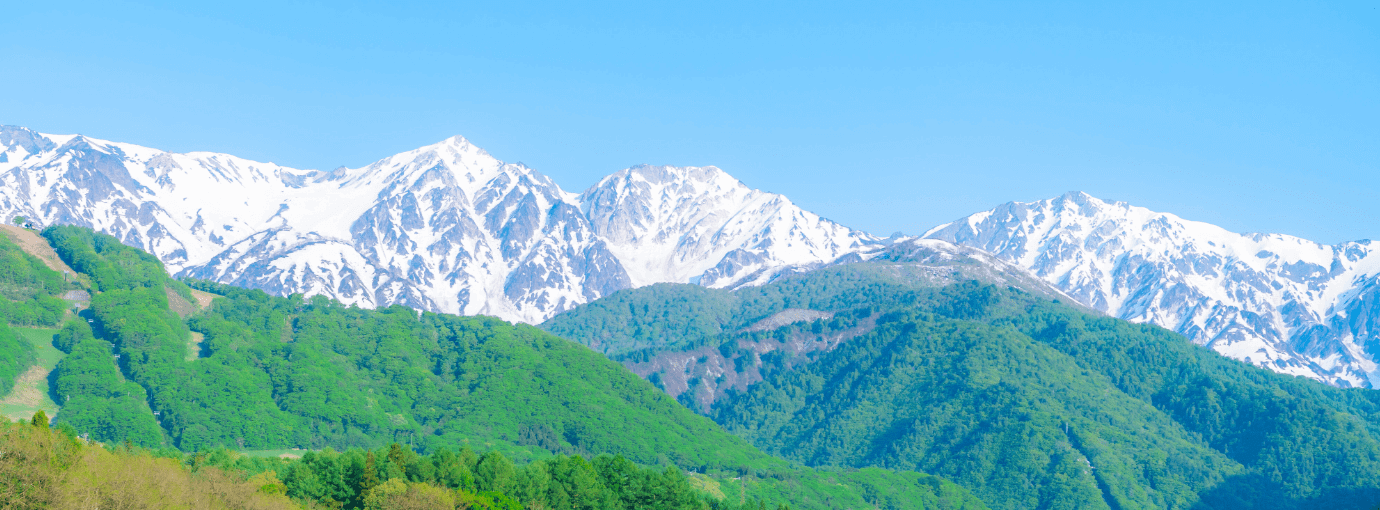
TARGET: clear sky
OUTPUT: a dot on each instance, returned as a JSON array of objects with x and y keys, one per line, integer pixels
[{"x": 1256, "y": 116}]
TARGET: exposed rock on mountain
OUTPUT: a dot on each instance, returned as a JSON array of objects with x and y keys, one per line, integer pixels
[
  {"x": 1276, "y": 301},
  {"x": 445, "y": 227}
]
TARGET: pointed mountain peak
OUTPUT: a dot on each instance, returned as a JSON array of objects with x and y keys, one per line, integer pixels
[
  {"x": 456, "y": 140},
  {"x": 1077, "y": 196},
  {"x": 691, "y": 179}
]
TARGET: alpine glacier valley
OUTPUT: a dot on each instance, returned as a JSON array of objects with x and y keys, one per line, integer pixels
[{"x": 449, "y": 228}]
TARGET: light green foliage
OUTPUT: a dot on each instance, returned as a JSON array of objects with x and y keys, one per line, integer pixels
[
  {"x": 16, "y": 355},
  {"x": 28, "y": 288},
  {"x": 96, "y": 399},
  {"x": 352, "y": 377},
  {"x": 313, "y": 373}
]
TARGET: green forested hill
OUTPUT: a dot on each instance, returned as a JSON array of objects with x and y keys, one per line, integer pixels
[
  {"x": 29, "y": 293},
  {"x": 273, "y": 372},
  {"x": 1030, "y": 403}
]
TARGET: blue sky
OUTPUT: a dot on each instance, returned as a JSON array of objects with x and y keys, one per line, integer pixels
[{"x": 890, "y": 117}]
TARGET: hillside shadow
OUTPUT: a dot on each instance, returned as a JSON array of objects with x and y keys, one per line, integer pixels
[{"x": 1254, "y": 492}]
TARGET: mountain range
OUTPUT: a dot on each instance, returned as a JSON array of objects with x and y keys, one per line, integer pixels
[
  {"x": 450, "y": 228},
  {"x": 446, "y": 227},
  {"x": 1276, "y": 301}
]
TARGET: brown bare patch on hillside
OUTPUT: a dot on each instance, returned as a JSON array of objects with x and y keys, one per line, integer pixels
[
  {"x": 31, "y": 243},
  {"x": 203, "y": 299},
  {"x": 179, "y": 304},
  {"x": 26, "y": 393}
]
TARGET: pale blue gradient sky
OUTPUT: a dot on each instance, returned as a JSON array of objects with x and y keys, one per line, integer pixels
[{"x": 1254, "y": 116}]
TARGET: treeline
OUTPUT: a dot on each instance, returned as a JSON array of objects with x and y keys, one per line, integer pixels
[
  {"x": 371, "y": 478},
  {"x": 273, "y": 372}
]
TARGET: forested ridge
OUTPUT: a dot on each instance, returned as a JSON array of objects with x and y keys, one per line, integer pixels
[
  {"x": 999, "y": 395},
  {"x": 28, "y": 297},
  {"x": 255, "y": 372},
  {"x": 1029, "y": 402}
]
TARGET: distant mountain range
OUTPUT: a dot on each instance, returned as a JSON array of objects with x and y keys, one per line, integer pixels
[{"x": 449, "y": 228}]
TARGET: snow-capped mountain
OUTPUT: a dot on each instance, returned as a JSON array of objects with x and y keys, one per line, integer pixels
[
  {"x": 700, "y": 225},
  {"x": 445, "y": 227},
  {"x": 1276, "y": 301}
]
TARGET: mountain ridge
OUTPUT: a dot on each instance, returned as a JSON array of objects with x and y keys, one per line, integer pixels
[
  {"x": 448, "y": 227},
  {"x": 445, "y": 227},
  {"x": 1290, "y": 304}
]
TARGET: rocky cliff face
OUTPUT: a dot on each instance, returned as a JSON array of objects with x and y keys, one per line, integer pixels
[
  {"x": 1276, "y": 301},
  {"x": 446, "y": 227}
]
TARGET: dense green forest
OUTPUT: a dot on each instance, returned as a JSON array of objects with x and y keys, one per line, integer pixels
[
  {"x": 255, "y": 372},
  {"x": 1029, "y": 402}
]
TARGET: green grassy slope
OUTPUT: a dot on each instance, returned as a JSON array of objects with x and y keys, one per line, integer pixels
[{"x": 32, "y": 395}]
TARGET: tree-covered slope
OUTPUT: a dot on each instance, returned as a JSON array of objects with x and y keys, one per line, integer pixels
[
  {"x": 270, "y": 372},
  {"x": 699, "y": 344},
  {"x": 1029, "y": 402},
  {"x": 1033, "y": 404},
  {"x": 29, "y": 296}
]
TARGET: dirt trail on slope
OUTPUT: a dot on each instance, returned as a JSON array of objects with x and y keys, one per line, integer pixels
[{"x": 31, "y": 243}]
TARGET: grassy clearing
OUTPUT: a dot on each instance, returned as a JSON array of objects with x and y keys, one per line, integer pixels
[{"x": 30, "y": 393}]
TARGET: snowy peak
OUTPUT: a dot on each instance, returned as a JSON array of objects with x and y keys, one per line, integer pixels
[
  {"x": 1273, "y": 300},
  {"x": 444, "y": 227},
  {"x": 700, "y": 225}
]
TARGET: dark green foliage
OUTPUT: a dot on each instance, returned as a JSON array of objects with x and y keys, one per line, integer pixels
[
  {"x": 630, "y": 320},
  {"x": 96, "y": 400},
  {"x": 635, "y": 325},
  {"x": 73, "y": 332},
  {"x": 1008, "y": 395},
  {"x": 979, "y": 405}
]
